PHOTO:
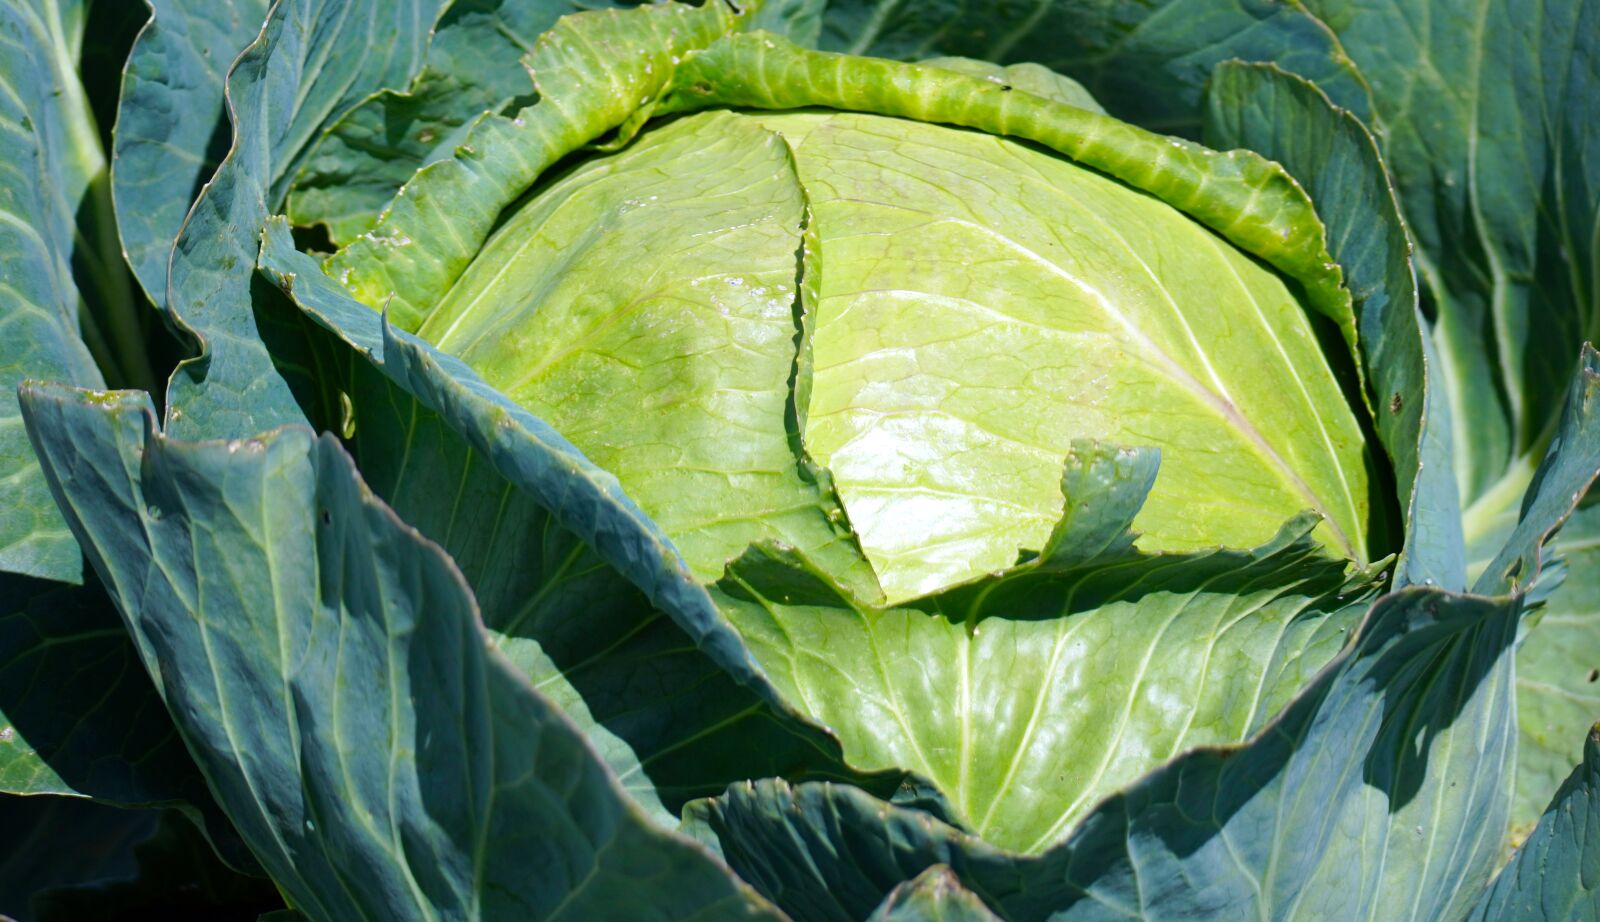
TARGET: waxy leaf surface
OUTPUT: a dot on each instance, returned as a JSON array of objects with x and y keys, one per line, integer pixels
[
  {"x": 377, "y": 755},
  {"x": 50, "y": 162}
]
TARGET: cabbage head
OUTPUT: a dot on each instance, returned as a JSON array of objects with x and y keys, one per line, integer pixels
[
  {"x": 819, "y": 460},
  {"x": 894, "y": 332}
]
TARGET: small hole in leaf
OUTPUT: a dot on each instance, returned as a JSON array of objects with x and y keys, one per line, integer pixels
[
  {"x": 1594, "y": 675},
  {"x": 1005, "y": 87},
  {"x": 1396, "y": 402},
  {"x": 313, "y": 239}
]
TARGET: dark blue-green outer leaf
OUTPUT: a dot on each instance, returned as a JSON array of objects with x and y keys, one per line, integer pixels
[
  {"x": 799, "y": 21},
  {"x": 49, "y": 156},
  {"x": 1283, "y": 117},
  {"x": 1555, "y": 876},
  {"x": 329, "y": 672},
  {"x": 474, "y": 65},
  {"x": 1145, "y": 62},
  {"x": 78, "y": 715},
  {"x": 1488, "y": 112},
  {"x": 172, "y": 130},
  {"x": 60, "y": 841},
  {"x": 176, "y": 876},
  {"x": 313, "y": 60}
]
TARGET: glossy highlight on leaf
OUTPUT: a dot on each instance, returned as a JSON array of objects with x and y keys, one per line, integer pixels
[{"x": 950, "y": 472}]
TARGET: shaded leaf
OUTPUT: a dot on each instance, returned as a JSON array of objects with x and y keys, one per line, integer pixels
[
  {"x": 1562, "y": 478},
  {"x": 176, "y": 875},
  {"x": 172, "y": 130},
  {"x": 1491, "y": 143},
  {"x": 1556, "y": 873},
  {"x": 284, "y": 89},
  {"x": 78, "y": 714},
  {"x": 50, "y": 162},
  {"x": 64, "y": 841},
  {"x": 1146, "y": 62},
  {"x": 474, "y": 65},
  {"x": 458, "y": 791},
  {"x": 800, "y": 21}
]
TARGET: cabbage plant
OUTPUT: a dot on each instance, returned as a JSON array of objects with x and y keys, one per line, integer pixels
[{"x": 809, "y": 460}]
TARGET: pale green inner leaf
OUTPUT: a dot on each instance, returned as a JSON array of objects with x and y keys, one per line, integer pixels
[
  {"x": 1028, "y": 699},
  {"x": 645, "y": 307},
  {"x": 984, "y": 303}
]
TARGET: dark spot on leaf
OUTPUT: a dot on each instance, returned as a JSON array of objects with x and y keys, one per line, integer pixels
[
  {"x": 326, "y": 517},
  {"x": 1005, "y": 87},
  {"x": 1396, "y": 402},
  {"x": 1594, "y": 675}
]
